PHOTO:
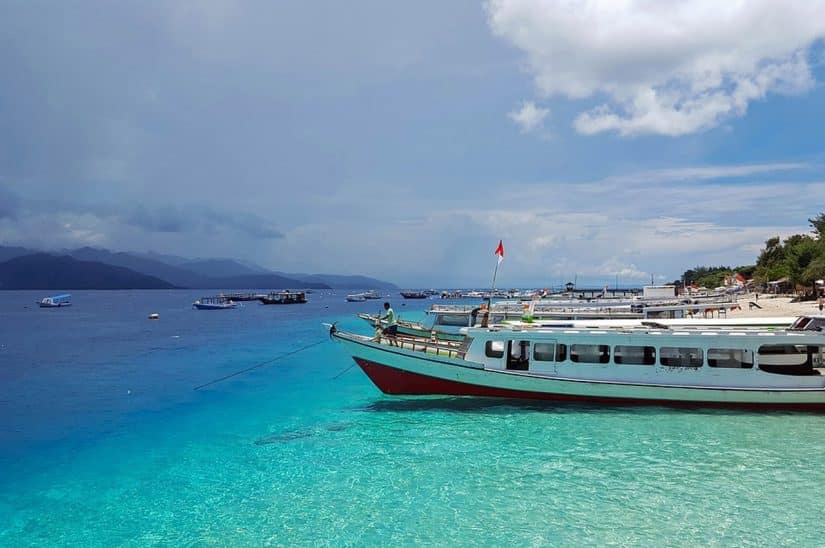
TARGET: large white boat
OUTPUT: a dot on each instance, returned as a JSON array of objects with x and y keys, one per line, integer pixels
[
  {"x": 757, "y": 367},
  {"x": 447, "y": 321}
]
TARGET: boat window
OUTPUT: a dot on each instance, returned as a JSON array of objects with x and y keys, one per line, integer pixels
[
  {"x": 678, "y": 356},
  {"x": 519, "y": 355},
  {"x": 561, "y": 352},
  {"x": 590, "y": 353},
  {"x": 783, "y": 354},
  {"x": 788, "y": 359},
  {"x": 734, "y": 358},
  {"x": 494, "y": 349},
  {"x": 635, "y": 355},
  {"x": 544, "y": 352},
  {"x": 455, "y": 320}
]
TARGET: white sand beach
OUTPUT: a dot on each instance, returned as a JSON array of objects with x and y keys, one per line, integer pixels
[{"x": 773, "y": 306}]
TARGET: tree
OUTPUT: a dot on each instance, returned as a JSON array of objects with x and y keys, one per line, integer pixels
[
  {"x": 818, "y": 224},
  {"x": 800, "y": 251}
]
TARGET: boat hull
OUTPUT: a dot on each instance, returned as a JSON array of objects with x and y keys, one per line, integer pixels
[
  {"x": 402, "y": 372},
  {"x": 201, "y": 306}
]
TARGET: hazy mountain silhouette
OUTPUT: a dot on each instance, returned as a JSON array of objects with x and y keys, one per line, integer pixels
[
  {"x": 45, "y": 271},
  {"x": 208, "y": 273}
]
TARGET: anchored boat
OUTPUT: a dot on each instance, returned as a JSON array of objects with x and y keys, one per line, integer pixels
[
  {"x": 447, "y": 322},
  {"x": 56, "y": 301},
  {"x": 652, "y": 364},
  {"x": 220, "y": 302},
  {"x": 284, "y": 297}
]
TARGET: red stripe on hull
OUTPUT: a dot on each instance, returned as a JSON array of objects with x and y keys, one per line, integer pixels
[{"x": 405, "y": 383}]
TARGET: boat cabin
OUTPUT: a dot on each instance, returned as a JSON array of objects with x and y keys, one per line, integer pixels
[{"x": 742, "y": 357}]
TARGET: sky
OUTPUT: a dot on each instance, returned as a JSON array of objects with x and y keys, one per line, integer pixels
[{"x": 607, "y": 141}]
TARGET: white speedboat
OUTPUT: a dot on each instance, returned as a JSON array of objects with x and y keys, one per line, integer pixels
[
  {"x": 56, "y": 301},
  {"x": 758, "y": 367},
  {"x": 356, "y": 298}
]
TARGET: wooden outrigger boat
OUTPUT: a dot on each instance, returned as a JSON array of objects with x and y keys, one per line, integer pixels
[{"x": 762, "y": 368}]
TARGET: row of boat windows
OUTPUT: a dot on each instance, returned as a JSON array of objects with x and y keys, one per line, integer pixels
[{"x": 671, "y": 356}]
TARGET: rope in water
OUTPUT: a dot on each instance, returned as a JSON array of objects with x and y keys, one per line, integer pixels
[
  {"x": 344, "y": 371},
  {"x": 261, "y": 364}
]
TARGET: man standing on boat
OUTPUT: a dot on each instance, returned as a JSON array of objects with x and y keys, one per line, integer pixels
[{"x": 392, "y": 322}]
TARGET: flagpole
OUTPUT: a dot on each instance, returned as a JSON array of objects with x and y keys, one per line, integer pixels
[
  {"x": 499, "y": 256},
  {"x": 495, "y": 272}
]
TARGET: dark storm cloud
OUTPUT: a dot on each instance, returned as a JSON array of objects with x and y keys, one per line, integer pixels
[
  {"x": 203, "y": 219},
  {"x": 166, "y": 219}
]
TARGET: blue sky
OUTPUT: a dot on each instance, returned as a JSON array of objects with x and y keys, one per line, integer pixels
[{"x": 597, "y": 139}]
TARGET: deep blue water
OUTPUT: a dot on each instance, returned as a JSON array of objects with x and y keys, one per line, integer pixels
[{"x": 104, "y": 441}]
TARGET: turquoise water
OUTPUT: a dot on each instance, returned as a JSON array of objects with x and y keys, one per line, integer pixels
[{"x": 103, "y": 441}]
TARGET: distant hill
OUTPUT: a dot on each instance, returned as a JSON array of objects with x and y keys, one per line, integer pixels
[
  {"x": 246, "y": 278},
  {"x": 7, "y": 253},
  {"x": 209, "y": 273},
  {"x": 222, "y": 268},
  {"x": 175, "y": 275},
  {"x": 338, "y": 281},
  {"x": 45, "y": 271},
  {"x": 266, "y": 281}
]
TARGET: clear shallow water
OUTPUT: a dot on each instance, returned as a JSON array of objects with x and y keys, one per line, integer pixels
[{"x": 104, "y": 441}]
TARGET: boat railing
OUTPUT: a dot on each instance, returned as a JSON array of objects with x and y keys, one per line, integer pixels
[{"x": 442, "y": 348}]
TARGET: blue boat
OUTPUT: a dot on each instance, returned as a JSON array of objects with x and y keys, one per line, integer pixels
[{"x": 56, "y": 301}]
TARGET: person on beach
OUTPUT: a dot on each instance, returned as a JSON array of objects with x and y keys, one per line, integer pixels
[{"x": 392, "y": 322}]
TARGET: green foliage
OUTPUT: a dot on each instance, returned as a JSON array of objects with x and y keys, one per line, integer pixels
[
  {"x": 818, "y": 224},
  {"x": 707, "y": 276},
  {"x": 800, "y": 258}
]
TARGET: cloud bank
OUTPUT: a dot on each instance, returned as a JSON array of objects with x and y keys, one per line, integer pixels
[{"x": 660, "y": 67}]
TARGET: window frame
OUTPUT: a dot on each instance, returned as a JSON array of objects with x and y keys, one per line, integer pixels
[
  {"x": 603, "y": 353},
  {"x": 643, "y": 354},
  {"x": 701, "y": 358}
]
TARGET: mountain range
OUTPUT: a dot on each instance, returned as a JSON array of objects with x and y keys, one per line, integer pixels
[{"x": 82, "y": 268}]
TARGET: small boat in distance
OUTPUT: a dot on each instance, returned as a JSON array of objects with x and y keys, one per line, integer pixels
[
  {"x": 284, "y": 297},
  {"x": 414, "y": 294},
  {"x": 219, "y": 302},
  {"x": 56, "y": 301},
  {"x": 371, "y": 294},
  {"x": 356, "y": 298}
]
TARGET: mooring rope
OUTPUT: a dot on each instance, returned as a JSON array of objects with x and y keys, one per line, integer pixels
[
  {"x": 344, "y": 371},
  {"x": 261, "y": 364}
]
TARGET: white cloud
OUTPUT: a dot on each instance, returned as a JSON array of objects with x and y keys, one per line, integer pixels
[
  {"x": 702, "y": 173},
  {"x": 664, "y": 68},
  {"x": 529, "y": 117}
]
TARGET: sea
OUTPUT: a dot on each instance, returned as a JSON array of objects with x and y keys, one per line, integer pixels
[{"x": 249, "y": 427}]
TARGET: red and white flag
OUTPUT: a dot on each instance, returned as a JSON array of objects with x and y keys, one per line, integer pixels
[{"x": 500, "y": 251}]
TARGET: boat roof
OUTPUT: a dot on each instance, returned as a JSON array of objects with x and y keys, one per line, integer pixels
[{"x": 653, "y": 327}]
